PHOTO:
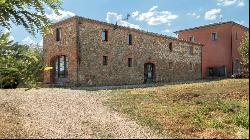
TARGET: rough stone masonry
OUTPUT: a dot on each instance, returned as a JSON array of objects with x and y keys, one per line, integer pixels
[{"x": 90, "y": 52}]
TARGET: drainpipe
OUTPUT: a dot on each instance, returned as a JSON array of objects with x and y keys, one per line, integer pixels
[{"x": 77, "y": 50}]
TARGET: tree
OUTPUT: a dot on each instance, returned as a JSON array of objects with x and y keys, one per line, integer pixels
[
  {"x": 28, "y": 13},
  {"x": 244, "y": 49},
  {"x": 19, "y": 64}
]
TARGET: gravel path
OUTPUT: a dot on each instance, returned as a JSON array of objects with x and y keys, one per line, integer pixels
[{"x": 63, "y": 113}]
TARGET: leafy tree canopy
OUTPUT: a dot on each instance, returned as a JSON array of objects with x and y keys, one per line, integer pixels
[
  {"x": 19, "y": 63},
  {"x": 28, "y": 13}
]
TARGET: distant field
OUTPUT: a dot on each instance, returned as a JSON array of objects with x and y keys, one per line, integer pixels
[{"x": 214, "y": 109}]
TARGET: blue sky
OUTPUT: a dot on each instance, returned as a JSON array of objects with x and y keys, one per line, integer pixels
[{"x": 160, "y": 16}]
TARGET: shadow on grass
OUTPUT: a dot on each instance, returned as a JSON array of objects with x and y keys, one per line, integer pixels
[{"x": 134, "y": 86}]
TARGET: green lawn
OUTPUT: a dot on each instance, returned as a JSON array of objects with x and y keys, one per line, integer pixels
[{"x": 213, "y": 109}]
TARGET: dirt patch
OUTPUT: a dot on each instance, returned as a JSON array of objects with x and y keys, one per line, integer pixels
[
  {"x": 238, "y": 95},
  {"x": 215, "y": 134},
  {"x": 186, "y": 96}
]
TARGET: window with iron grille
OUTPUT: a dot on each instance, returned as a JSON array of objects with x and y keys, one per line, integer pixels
[
  {"x": 214, "y": 36},
  {"x": 170, "y": 47},
  {"x": 105, "y": 35},
  {"x": 58, "y": 34},
  {"x": 129, "y": 62},
  {"x": 191, "y": 38},
  {"x": 105, "y": 60},
  {"x": 130, "y": 39}
]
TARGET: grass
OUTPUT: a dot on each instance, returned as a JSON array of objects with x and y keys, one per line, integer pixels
[{"x": 212, "y": 109}]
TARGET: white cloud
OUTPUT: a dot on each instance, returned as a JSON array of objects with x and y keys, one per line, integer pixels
[
  {"x": 241, "y": 3},
  {"x": 230, "y": 2},
  {"x": 28, "y": 40},
  {"x": 153, "y": 8},
  {"x": 194, "y": 15},
  {"x": 5, "y": 30},
  {"x": 153, "y": 17},
  {"x": 167, "y": 31},
  {"x": 11, "y": 38},
  {"x": 191, "y": 14},
  {"x": 40, "y": 43},
  {"x": 135, "y": 14},
  {"x": 212, "y": 14},
  {"x": 240, "y": 22},
  {"x": 63, "y": 14},
  {"x": 113, "y": 17}
]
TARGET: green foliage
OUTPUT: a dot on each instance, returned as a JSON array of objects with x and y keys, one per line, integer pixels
[
  {"x": 196, "y": 119},
  {"x": 19, "y": 63},
  {"x": 216, "y": 123},
  {"x": 244, "y": 49},
  {"x": 28, "y": 13},
  {"x": 242, "y": 120}
]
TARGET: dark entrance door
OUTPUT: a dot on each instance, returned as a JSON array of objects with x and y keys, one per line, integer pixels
[
  {"x": 148, "y": 73},
  {"x": 60, "y": 68}
]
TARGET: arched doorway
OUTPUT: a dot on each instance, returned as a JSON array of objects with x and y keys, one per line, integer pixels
[
  {"x": 60, "y": 69},
  {"x": 149, "y": 72}
]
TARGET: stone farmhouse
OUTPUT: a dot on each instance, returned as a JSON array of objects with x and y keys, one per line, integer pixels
[
  {"x": 220, "y": 54},
  {"x": 89, "y": 52}
]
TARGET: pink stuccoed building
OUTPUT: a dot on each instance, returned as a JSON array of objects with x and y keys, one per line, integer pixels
[{"x": 220, "y": 54}]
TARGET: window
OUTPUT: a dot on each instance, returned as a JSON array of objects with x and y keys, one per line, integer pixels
[
  {"x": 130, "y": 39},
  {"x": 214, "y": 36},
  {"x": 170, "y": 47},
  {"x": 61, "y": 67},
  {"x": 58, "y": 34},
  {"x": 105, "y": 60},
  {"x": 170, "y": 65},
  {"x": 236, "y": 36},
  {"x": 105, "y": 35},
  {"x": 191, "y": 50},
  {"x": 191, "y": 38},
  {"x": 129, "y": 62},
  {"x": 190, "y": 66}
]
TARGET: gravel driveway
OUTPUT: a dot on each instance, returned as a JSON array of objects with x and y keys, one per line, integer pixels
[{"x": 63, "y": 113}]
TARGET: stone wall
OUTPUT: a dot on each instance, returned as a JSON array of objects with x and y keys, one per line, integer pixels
[
  {"x": 66, "y": 46},
  {"x": 145, "y": 48}
]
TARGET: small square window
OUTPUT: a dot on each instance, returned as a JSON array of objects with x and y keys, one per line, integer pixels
[
  {"x": 191, "y": 50},
  {"x": 191, "y": 66},
  {"x": 191, "y": 38},
  {"x": 58, "y": 34},
  {"x": 214, "y": 36},
  {"x": 105, "y": 35},
  {"x": 170, "y": 47},
  {"x": 130, "y": 39},
  {"x": 170, "y": 65},
  {"x": 105, "y": 60},
  {"x": 129, "y": 62}
]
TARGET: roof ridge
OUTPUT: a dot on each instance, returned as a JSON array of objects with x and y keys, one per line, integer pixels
[
  {"x": 134, "y": 29},
  {"x": 213, "y": 24}
]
